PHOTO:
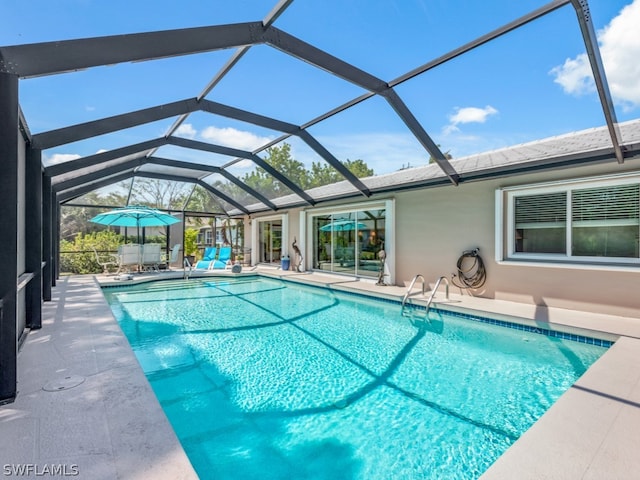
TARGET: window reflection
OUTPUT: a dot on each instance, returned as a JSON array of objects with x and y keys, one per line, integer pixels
[{"x": 349, "y": 242}]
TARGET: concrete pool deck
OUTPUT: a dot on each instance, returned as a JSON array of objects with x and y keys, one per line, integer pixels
[{"x": 84, "y": 401}]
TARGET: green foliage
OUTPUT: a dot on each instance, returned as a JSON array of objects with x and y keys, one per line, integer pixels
[
  {"x": 280, "y": 159},
  {"x": 203, "y": 201},
  {"x": 359, "y": 168},
  {"x": 190, "y": 241},
  {"x": 84, "y": 261},
  {"x": 325, "y": 174},
  {"x": 320, "y": 174}
]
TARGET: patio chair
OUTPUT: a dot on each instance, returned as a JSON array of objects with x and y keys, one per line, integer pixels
[
  {"x": 172, "y": 257},
  {"x": 224, "y": 258},
  {"x": 207, "y": 260},
  {"x": 151, "y": 256},
  {"x": 129, "y": 255},
  {"x": 106, "y": 260}
]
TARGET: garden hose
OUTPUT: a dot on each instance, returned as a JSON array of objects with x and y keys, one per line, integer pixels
[{"x": 475, "y": 275}]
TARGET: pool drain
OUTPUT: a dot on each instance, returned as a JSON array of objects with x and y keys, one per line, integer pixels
[{"x": 63, "y": 383}]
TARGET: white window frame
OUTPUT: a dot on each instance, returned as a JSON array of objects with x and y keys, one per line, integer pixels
[
  {"x": 505, "y": 224},
  {"x": 284, "y": 218}
]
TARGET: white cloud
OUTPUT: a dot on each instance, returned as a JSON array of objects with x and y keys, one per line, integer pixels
[
  {"x": 620, "y": 49},
  {"x": 186, "y": 130},
  {"x": 64, "y": 157},
  {"x": 60, "y": 158},
  {"x": 241, "y": 167},
  {"x": 231, "y": 137},
  {"x": 575, "y": 75},
  {"x": 468, "y": 115},
  {"x": 383, "y": 152}
]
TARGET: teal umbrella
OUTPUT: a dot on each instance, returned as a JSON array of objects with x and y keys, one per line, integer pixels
[
  {"x": 343, "y": 226},
  {"x": 135, "y": 216}
]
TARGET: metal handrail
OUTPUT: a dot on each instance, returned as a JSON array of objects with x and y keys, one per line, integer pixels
[
  {"x": 435, "y": 289},
  {"x": 186, "y": 264},
  {"x": 433, "y": 292},
  {"x": 413, "y": 282}
]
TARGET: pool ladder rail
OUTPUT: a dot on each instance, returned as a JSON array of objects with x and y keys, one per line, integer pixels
[
  {"x": 433, "y": 292},
  {"x": 188, "y": 268}
]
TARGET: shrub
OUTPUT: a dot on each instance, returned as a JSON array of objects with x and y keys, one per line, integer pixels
[
  {"x": 190, "y": 241},
  {"x": 81, "y": 259}
]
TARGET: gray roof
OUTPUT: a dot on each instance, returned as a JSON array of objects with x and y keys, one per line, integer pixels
[{"x": 590, "y": 145}]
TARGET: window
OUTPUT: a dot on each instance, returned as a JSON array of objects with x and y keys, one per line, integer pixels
[
  {"x": 594, "y": 221},
  {"x": 604, "y": 221},
  {"x": 541, "y": 223}
]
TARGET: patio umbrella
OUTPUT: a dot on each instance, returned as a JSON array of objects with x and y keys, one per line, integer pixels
[
  {"x": 135, "y": 216},
  {"x": 343, "y": 226}
]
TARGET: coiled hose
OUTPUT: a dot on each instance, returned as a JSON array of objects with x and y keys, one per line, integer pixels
[{"x": 473, "y": 277}]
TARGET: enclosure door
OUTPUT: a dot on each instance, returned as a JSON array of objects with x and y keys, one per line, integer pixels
[{"x": 270, "y": 241}]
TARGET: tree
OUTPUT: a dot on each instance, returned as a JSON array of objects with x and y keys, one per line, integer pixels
[
  {"x": 116, "y": 198},
  {"x": 281, "y": 160},
  {"x": 157, "y": 193},
  {"x": 325, "y": 174},
  {"x": 75, "y": 220},
  {"x": 320, "y": 174}
]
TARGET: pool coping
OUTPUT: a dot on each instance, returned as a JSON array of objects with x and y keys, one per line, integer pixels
[
  {"x": 84, "y": 407},
  {"x": 591, "y": 432}
]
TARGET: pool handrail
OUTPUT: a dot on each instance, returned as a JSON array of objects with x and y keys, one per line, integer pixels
[
  {"x": 433, "y": 291},
  {"x": 186, "y": 264},
  {"x": 406, "y": 295}
]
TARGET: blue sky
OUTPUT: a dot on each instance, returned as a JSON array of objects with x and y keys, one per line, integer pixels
[{"x": 530, "y": 84}]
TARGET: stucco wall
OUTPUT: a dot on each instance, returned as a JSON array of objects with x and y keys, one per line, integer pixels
[{"x": 434, "y": 226}]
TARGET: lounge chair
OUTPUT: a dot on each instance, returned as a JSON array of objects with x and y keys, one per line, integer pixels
[
  {"x": 208, "y": 259},
  {"x": 224, "y": 258}
]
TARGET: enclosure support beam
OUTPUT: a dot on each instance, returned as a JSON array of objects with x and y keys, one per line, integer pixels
[
  {"x": 599, "y": 77},
  {"x": 33, "y": 240},
  {"x": 56, "y": 241},
  {"x": 9, "y": 239},
  {"x": 47, "y": 237}
]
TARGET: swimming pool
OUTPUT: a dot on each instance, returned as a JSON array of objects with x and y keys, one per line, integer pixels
[{"x": 262, "y": 378}]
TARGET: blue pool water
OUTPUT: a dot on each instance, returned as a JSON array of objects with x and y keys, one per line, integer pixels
[{"x": 266, "y": 379}]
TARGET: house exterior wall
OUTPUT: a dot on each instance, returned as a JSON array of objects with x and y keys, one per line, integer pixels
[{"x": 433, "y": 226}]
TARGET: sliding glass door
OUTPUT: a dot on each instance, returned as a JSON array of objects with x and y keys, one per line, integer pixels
[{"x": 348, "y": 242}]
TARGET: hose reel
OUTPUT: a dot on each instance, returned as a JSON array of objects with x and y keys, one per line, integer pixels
[{"x": 471, "y": 271}]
